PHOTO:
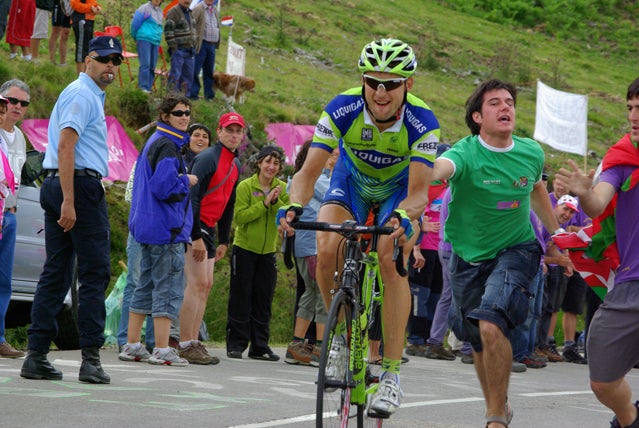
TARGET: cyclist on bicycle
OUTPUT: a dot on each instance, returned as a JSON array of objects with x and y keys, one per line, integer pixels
[{"x": 387, "y": 139}]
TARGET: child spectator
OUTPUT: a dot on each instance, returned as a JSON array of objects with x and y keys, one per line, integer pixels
[{"x": 146, "y": 30}]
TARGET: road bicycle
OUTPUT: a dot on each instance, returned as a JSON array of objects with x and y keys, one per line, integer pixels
[{"x": 345, "y": 384}]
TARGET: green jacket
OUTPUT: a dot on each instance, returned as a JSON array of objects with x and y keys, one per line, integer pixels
[{"x": 255, "y": 224}]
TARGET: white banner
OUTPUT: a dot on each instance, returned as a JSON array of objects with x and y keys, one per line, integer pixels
[
  {"x": 235, "y": 59},
  {"x": 561, "y": 120}
]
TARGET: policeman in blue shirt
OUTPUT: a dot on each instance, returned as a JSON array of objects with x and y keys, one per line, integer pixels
[{"x": 76, "y": 219}]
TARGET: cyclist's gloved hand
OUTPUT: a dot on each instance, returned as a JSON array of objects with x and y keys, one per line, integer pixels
[
  {"x": 281, "y": 213},
  {"x": 404, "y": 221}
]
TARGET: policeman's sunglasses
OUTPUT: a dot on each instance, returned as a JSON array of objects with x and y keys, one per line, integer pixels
[
  {"x": 387, "y": 84},
  {"x": 180, "y": 113},
  {"x": 116, "y": 60},
  {"x": 15, "y": 101}
]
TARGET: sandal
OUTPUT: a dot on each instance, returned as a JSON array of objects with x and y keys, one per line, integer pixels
[
  {"x": 505, "y": 421},
  {"x": 498, "y": 419}
]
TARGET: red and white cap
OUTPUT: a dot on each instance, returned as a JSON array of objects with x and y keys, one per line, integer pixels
[
  {"x": 231, "y": 118},
  {"x": 569, "y": 201}
]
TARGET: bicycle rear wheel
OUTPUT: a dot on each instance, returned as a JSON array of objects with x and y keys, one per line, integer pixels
[{"x": 333, "y": 407}]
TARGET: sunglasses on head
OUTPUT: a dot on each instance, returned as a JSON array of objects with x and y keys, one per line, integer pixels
[
  {"x": 180, "y": 113},
  {"x": 116, "y": 60},
  {"x": 387, "y": 84},
  {"x": 15, "y": 101}
]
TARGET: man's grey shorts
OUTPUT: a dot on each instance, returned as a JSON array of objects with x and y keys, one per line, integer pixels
[{"x": 613, "y": 336}]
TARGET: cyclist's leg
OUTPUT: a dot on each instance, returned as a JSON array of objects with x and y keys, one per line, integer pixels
[
  {"x": 328, "y": 257},
  {"x": 397, "y": 299}
]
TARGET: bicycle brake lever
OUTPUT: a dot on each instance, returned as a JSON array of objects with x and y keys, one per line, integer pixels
[{"x": 398, "y": 257}]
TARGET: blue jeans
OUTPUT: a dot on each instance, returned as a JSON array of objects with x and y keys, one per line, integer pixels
[
  {"x": 134, "y": 257},
  {"x": 181, "y": 73},
  {"x": 148, "y": 58},
  {"x": 7, "y": 250},
  {"x": 161, "y": 288},
  {"x": 89, "y": 240},
  {"x": 524, "y": 337},
  {"x": 204, "y": 61},
  {"x": 424, "y": 303},
  {"x": 496, "y": 291}
]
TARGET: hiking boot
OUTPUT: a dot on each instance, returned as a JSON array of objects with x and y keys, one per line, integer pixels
[
  {"x": 416, "y": 350},
  {"x": 438, "y": 352},
  {"x": 91, "y": 370},
  {"x": 8, "y": 351},
  {"x": 298, "y": 353},
  {"x": 518, "y": 367},
  {"x": 387, "y": 398},
  {"x": 36, "y": 366},
  {"x": 138, "y": 354},
  {"x": 214, "y": 360},
  {"x": 167, "y": 358},
  {"x": 532, "y": 363},
  {"x": 573, "y": 356},
  {"x": 551, "y": 352},
  {"x": 538, "y": 354},
  {"x": 195, "y": 354}
]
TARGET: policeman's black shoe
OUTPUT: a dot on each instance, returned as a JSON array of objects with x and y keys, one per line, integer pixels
[
  {"x": 91, "y": 369},
  {"x": 36, "y": 366}
]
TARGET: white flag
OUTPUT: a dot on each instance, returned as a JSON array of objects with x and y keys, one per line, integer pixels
[
  {"x": 235, "y": 59},
  {"x": 561, "y": 120}
]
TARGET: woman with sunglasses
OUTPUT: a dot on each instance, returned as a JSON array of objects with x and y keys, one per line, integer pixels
[
  {"x": 160, "y": 219},
  {"x": 387, "y": 139}
]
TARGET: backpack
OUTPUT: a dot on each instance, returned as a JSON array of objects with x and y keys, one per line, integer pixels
[{"x": 65, "y": 5}]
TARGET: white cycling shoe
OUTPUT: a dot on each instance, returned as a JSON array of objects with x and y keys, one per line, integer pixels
[{"x": 387, "y": 399}]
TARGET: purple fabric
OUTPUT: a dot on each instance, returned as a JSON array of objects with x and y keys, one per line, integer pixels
[{"x": 627, "y": 223}]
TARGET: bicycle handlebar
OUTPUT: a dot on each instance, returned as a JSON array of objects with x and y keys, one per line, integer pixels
[{"x": 350, "y": 228}]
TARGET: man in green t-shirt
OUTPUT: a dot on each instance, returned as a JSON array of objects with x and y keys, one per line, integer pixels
[{"x": 495, "y": 180}]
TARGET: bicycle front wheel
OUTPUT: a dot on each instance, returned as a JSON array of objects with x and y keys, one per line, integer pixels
[{"x": 333, "y": 382}]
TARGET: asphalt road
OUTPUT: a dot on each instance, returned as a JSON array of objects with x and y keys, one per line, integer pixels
[{"x": 253, "y": 394}]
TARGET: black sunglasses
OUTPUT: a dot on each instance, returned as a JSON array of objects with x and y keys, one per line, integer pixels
[
  {"x": 116, "y": 60},
  {"x": 15, "y": 101},
  {"x": 387, "y": 84},
  {"x": 180, "y": 113}
]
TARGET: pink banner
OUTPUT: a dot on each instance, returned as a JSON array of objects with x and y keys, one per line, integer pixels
[
  {"x": 290, "y": 137},
  {"x": 122, "y": 152}
]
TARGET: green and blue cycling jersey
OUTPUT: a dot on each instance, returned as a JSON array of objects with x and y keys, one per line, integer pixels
[{"x": 373, "y": 165}]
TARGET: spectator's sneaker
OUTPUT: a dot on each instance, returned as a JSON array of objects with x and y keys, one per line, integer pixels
[
  {"x": 553, "y": 355},
  {"x": 467, "y": 359},
  {"x": 8, "y": 351},
  {"x": 387, "y": 398},
  {"x": 298, "y": 353},
  {"x": 416, "y": 350},
  {"x": 132, "y": 353},
  {"x": 438, "y": 352},
  {"x": 573, "y": 356},
  {"x": 167, "y": 358},
  {"x": 195, "y": 354},
  {"x": 264, "y": 356},
  {"x": 315, "y": 355},
  {"x": 532, "y": 363},
  {"x": 518, "y": 367}
]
